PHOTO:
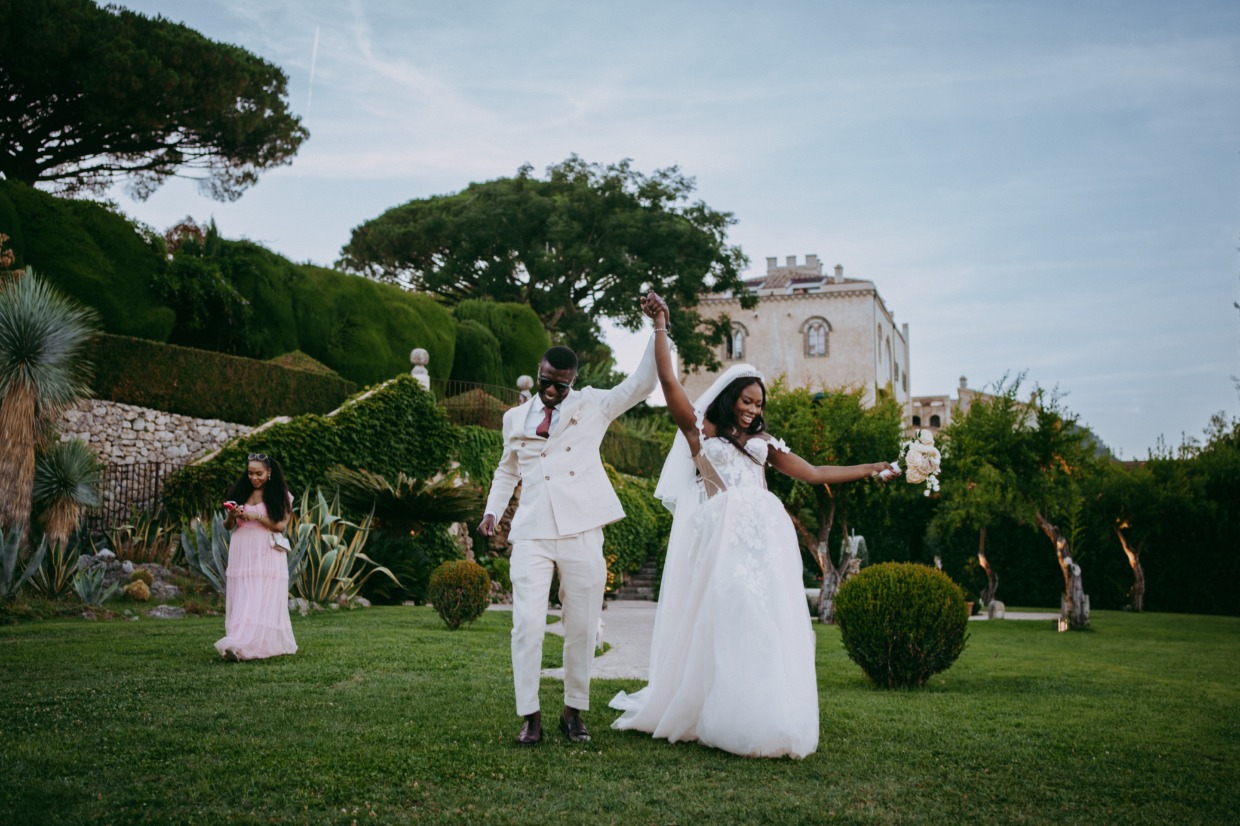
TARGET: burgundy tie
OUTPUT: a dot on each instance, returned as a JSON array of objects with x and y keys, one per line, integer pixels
[{"x": 544, "y": 429}]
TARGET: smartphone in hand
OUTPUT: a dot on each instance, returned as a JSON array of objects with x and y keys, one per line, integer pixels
[{"x": 230, "y": 505}]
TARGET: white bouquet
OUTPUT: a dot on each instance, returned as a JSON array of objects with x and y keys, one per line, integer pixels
[{"x": 920, "y": 460}]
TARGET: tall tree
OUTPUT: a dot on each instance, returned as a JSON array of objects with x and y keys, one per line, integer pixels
[
  {"x": 90, "y": 95},
  {"x": 830, "y": 428},
  {"x": 576, "y": 246},
  {"x": 43, "y": 336}
]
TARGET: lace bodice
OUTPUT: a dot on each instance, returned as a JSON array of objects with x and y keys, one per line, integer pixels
[{"x": 736, "y": 470}]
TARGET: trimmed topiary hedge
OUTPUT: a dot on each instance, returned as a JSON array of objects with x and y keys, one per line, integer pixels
[
  {"x": 460, "y": 590},
  {"x": 391, "y": 428},
  {"x": 90, "y": 253},
  {"x": 208, "y": 385},
  {"x": 520, "y": 333},
  {"x": 901, "y": 622},
  {"x": 477, "y": 356}
]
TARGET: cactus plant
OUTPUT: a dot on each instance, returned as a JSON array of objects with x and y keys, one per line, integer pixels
[{"x": 11, "y": 542}]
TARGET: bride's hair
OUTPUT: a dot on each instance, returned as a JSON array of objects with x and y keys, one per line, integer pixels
[{"x": 722, "y": 411}]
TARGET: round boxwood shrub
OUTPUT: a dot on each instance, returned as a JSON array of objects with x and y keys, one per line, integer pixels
[
  {"x": 460, "y": 590},
  {"x": 901, "y": 622},
  {"x": 143, "y": 575}
]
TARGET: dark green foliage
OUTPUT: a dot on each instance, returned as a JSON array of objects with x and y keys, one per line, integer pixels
[
  {"x": 522, "y": 338},
  {"x": 643, "y": 531},
  {"x": 902, "y": 623},
  {"x": 460, "y": 590},
  {"x": 634, "y": 450},
  {"x": 397, "y": 427},
  {"x": 477, "y": 357},
  {"x": 479, "y": 452},
  {"x": 95, "y": 94},
  {"x": 297, "y": 360},
  {"x": 208, "y": 385},
  {"x": 578, "y": 246},
  {"x": 411, "y": 559},
  {"x": 90, "y": 253}
]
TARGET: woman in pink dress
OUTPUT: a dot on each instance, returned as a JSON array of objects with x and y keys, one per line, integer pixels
[{"x": 256, "y": 623}]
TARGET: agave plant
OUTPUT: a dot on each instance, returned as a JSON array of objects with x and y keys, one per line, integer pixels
[
  {"x": 334, "y": 566},
  {"x": 12, "y": 575},
  {"x": 206, "y": 550},
  {"x": 67, "y": 479},
  {"x": 409, "y": 504},
  {"x": 54, "y": 578},
  {"x": 89, "y": 587},
  {"x": 42, "y": 338}
]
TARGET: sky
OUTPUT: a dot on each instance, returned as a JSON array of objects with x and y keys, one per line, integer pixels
[{"x": 1047, "y": 188}]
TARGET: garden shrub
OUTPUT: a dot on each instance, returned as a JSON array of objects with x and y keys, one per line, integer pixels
[
  {"x": 901, "y": 622},
  {"x": 460, "y": 590},
  {"x": 479, "y": 452},
  {"x": 642, "y": 532},
  {"x": 394, "y": 427},
  {"x": 477, "y": 356},
  {"x": 520, "y": 333},
  {"x": 411, "y": 559},
  {"x": 90, "y": 253},
  {"x": 142, "y": 575},
  {"x": 632, "y": 451},
  {"x": 208, "y": 385}
]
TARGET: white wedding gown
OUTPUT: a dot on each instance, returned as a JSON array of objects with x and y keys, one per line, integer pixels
[{"x": 732, "y": 658}]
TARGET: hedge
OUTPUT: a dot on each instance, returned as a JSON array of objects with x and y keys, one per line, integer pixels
[
  {"x": 90, "y": 253},
  {"x": 643, "y": 531},
  {"x": 391, "y": 428},
  {"x": 521, "y": 335},
  {"x": 208, "y": 385},
  {"x": 477, "y": 357}
]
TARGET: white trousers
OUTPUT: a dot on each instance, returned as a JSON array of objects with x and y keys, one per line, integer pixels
[{"x": 583, "y": 577}]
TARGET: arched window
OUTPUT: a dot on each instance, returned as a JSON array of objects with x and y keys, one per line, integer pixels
[
  {"x": 734, "y": 346},
  {"x": 934, "y": 420},
  {"x": 917, "y": 421},
  {"x": 814, "y": 334}
]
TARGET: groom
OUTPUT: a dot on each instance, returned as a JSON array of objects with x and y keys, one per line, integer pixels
[{"x": 551, "y": 446}]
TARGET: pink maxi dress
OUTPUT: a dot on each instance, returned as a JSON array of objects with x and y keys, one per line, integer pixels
[{"x": 256, "y": 622}]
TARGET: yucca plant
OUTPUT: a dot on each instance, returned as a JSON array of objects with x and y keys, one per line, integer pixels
[
  {"x": 406, "y": 506},
  {"x": 43, "y": 336},
  {"x": 334, "y": 568},
  {"x": 206, "y": 550},
  {"x": 89, "y": 587},
  {"x": 12, "y": 575},
  {"x": 67, "y": 481},
  {"x": 54, "y": 578}
]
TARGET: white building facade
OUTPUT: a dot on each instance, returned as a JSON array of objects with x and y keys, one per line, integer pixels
[{"x": 817, "y": 331}]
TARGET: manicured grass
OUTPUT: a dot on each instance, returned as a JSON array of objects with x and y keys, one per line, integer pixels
[{"x": 386, "y": 717}]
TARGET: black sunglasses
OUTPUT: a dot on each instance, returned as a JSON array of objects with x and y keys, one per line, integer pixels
[
  {"x": 259, "y": 457},
  {"x": 562, "y": 386}
]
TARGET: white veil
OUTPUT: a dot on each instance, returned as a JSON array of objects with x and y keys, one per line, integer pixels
[{"x": 679, "y": 473}]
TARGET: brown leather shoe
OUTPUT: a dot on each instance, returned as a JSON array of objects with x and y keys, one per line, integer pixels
[
  {"x": 531, "y": 732},
  {"x": 574, "y": 728}
]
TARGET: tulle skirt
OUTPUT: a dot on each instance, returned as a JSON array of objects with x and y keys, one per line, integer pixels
[
  {"x": 732, "y": 660},
  {"x": 256, "y": 620}
]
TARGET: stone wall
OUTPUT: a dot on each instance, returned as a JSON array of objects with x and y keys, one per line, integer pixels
[{"x": 123, "y": 434}]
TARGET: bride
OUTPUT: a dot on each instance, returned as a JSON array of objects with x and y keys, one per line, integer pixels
[{"x": 732, "y": 658}]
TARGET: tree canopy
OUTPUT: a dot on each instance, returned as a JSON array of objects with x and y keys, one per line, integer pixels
[
  {"x": 578, "y": 246},
  {"x": 90, "y": 95}
]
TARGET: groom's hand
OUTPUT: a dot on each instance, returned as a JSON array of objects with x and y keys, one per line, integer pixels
[{"x": 487, "y": 526}]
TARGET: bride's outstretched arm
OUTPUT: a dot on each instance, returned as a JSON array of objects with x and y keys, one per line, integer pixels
[
  {"x": 796, "y": 467},
  {"x": 678, "y": 404}
]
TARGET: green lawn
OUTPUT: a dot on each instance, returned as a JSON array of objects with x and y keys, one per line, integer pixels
[{"x": 386, "y": 717}]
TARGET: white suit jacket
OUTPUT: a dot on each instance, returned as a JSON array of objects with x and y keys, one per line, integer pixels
[{"x": 564, "y": 487}]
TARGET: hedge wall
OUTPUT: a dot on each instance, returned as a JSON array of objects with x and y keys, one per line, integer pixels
[
  {"x": 521, "y": 335},
  {"x": 477, "y": 357},
  {"x": 91, "y": 254},
  {"x": 391, "y": 428},
  {"x": 208, "y": 385},
  {"x": 643, "y": 531}
]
